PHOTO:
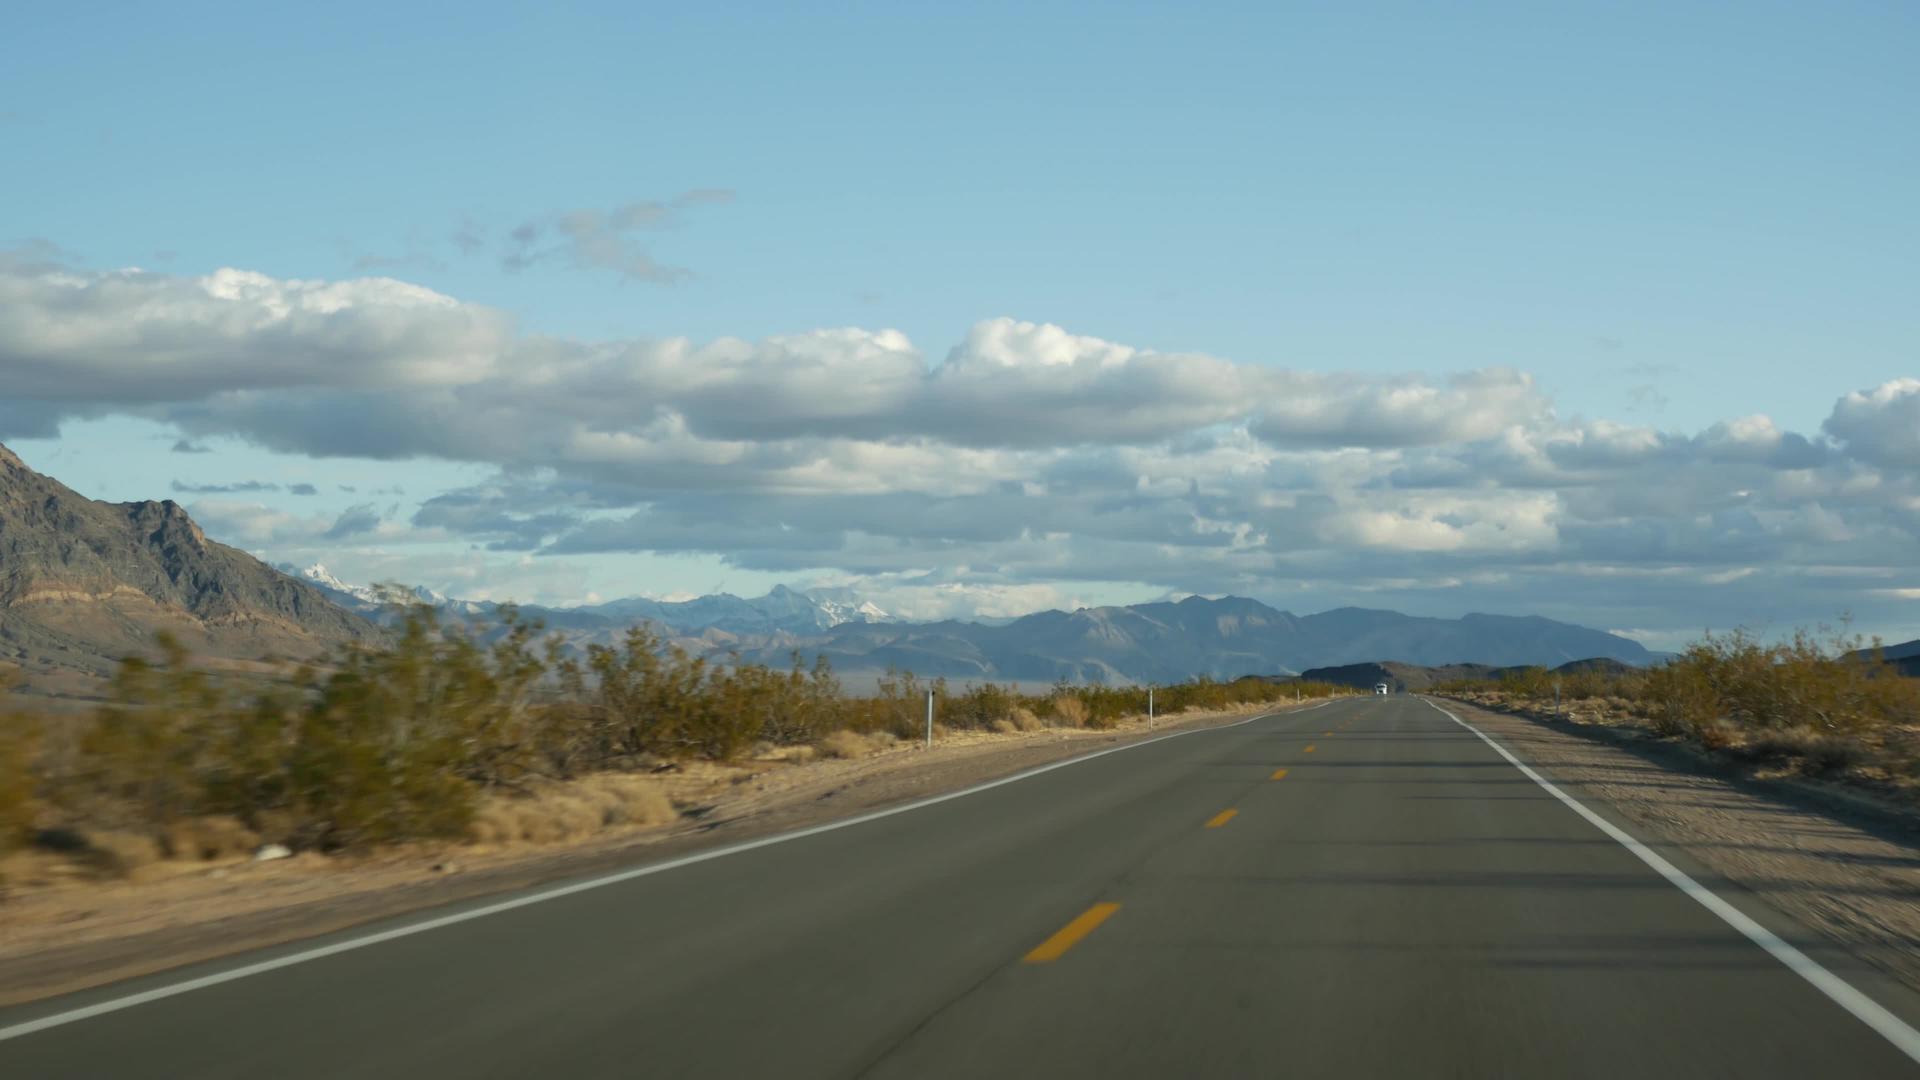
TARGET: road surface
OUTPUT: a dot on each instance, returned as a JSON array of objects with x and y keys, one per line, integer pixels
[{"x": 1361, "y": 889}]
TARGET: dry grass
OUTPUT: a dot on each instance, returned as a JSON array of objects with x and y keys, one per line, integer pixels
[
  {"x": 843, "y": 744},
  {"x": 1816, "y": 752},
  {"x": 1005, "y": 726},
  {"x": 1024, "y": 720},
  {"x": 209, "y": 838},
  {"x": 1069, "y": 711},
  {"x": 570, "y": 810}
]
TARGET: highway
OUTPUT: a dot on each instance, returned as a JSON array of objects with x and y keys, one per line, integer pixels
[{"x": 1367, "y": 888}]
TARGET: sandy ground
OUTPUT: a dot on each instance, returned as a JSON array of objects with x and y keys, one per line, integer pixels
[
  {"x": 1838, "y": 861},
  {"x": 62, "y": 931}
]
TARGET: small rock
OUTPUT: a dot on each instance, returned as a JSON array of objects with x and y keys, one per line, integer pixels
[
  {"x": 269, "y": 852},
  {"x": 446, "y": 868}
]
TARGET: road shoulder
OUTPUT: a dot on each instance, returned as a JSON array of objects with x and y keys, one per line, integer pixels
[{"x": 1851, "y": 877}]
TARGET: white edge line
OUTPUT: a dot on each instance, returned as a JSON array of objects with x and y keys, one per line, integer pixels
[
  {"x": 1838, "y": 990},
  {"x": 28, "y": 1027}
]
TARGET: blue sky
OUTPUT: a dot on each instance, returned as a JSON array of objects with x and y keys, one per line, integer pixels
[{"x": 1669, "y": 216}]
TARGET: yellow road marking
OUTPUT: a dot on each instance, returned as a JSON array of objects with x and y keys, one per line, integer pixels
[
  {"x": 1069, "y": 935},
  {"x": 1221, "y": 818},
  {"x": 1326, "y": 733},
  {"x": 1279, "y": 774},
  {"x": 1309, "y": 748}
]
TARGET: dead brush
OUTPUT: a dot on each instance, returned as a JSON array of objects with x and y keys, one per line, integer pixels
[
  {"x": 555, "y": 811},
  {"x": 843, "y": 744},
  {"x": 208, "y": 838},
  {"x": 1069, "y": 711},
  {"x": 1814, "y": 752}
]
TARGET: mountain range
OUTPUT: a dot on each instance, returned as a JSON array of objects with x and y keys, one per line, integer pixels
[
  {"x": 783, "y": 610},
  {"x": 83, "y": 583},
  {"x": 1156, "y": 642}
]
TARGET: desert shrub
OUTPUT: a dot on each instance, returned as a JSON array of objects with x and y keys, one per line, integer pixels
[
  {"x": 1797, "y": 683},
  {"x": 1067, "y": 710},
  {"x": 463, "y": 729},
  {"x": 150, "y": 745},
  {"x": 899, "y": 705},
  {"x": 980, "y": 707},
  {"x": 18, "y": 737}
]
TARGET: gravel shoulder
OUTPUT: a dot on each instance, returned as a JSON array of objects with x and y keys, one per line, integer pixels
[
  {"x": 1838, "y": 862},
  {"x": 59, "y": 936}
]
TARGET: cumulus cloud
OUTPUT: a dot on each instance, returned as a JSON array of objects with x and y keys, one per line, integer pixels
[
  {"x": 1024, "y": 457},
  {"x": 1405, "y": 412},
  {"x": 1881, "y": 425}
]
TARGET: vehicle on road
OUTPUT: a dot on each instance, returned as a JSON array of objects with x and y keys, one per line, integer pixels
[{"x": 1380, "y": 688}]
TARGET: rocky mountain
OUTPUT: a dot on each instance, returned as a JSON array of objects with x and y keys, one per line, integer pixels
[{"x": 84, "y": 583}]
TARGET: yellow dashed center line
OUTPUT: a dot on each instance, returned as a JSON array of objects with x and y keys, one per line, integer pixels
[
  {"x": 1279, "y": 774},
  {"x": 1221, "y": 818},
  {"x": 1069, "y": 935},
  {"x": 1310, "y": 748}
]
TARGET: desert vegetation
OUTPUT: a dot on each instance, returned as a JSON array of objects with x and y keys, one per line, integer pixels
[
  {"x": 451, "y": 731},
  {"x": 1819, "y": 703}
]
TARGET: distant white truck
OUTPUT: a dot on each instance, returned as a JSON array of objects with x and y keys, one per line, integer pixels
[{"x": 1380, "y": 688}]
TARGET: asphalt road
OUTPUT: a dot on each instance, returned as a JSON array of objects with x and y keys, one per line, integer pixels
[{"x": 1400, "y": 901}]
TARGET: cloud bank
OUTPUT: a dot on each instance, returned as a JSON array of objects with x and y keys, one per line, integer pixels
[{"x": 1024, "y": 456}]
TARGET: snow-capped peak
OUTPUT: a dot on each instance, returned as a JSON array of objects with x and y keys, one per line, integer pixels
[
  {"x": 321, "y": 576},
  {"x": 835, "y": 612}
]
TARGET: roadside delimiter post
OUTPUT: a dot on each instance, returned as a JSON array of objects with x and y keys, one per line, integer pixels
[{"x": 929, "y": 719}]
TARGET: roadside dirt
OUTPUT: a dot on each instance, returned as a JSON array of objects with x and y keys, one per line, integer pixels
[
  {"x": 1838, "y": 862},
  {"x": 60, "y": 933}
]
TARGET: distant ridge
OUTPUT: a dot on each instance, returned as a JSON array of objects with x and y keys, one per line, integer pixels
[
  {"x": 1401, "y": 677},
  {"x": 1161, "y": 642}
]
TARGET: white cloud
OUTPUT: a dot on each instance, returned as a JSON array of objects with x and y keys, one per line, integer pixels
[
  {"x": 1028, "y": 459},
  {"x": 1881, "y": 426}
]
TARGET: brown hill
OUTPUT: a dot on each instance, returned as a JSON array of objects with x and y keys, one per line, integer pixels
[{"x": 84, "y": 583}]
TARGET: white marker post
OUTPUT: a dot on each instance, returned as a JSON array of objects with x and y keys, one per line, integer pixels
[
  {"x": 1149, "y": 708},
  {"x": 929, "y": 719}
]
